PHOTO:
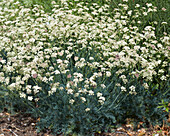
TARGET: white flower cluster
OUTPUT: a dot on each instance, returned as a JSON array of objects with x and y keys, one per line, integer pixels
[{"x": 41, "y": 47}]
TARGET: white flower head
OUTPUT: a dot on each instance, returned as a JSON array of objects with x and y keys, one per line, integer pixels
[
  {"x": 22, "y": 95},
  {"x": 70, "y": 91},
  {"x": 108, "y": 73},
  {"x": 145, "y": 85},
  {"x": 149, "y": 4},
  {"x": 71, "y": 101},
  {"x": 30, "y": 98},
  {"x": 163, "y": 77},
  {"x": 87, "y": 109},
  {"x": 83, "y": 99},
  {"x": 102, "y": 98},
  {"x": 99, "y": 94},
  {"x": 103, "y": 86},
  {"x": 123, "y": 89},
  {"x": 132, "y": 88},
  {"x": 91, "y": 92}
]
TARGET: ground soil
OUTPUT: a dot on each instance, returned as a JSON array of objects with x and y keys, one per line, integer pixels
[{"x": 25, "y": 125}]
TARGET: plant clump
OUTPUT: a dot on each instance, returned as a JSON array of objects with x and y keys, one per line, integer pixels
[{"x": 82, "y": 69}]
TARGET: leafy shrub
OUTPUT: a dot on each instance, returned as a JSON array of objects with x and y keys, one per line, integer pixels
[{"x": 83, "y": 69}]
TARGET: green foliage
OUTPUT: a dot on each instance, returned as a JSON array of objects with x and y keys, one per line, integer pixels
[
  {"x": 144, "y": 107},
  {"x": 63, "y": 118},
  {"x": 164, "y": 105},
  {"x": 12, "y": 103},
  {"x": 30, "y": 3}
]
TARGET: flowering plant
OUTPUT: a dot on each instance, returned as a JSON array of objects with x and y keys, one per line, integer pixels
[{"x": 81, "y": 63}]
